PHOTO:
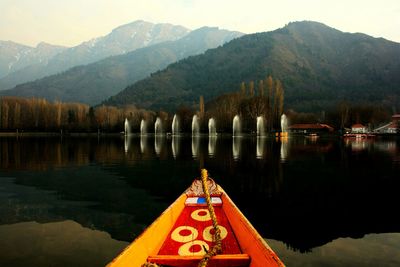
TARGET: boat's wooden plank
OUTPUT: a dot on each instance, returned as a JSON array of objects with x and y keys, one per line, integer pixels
[
  {"x": 232, "y": 260},
  {"x": 201, "y": 201},
  {"x": 190, "y": 233},
  {"x": 245, "y": 239}
]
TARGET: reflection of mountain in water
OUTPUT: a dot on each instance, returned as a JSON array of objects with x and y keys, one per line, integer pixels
[
  {"x": 86, "y": 195},
  {"x": 322, "y": 191},
  {"x": 64, "y": 243},
  {"x": 366, "y": 252}
]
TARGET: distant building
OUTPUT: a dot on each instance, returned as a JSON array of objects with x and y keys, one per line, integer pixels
[
  {"x": 310, "y": 128},
  {"x": 359, "y": 128},
  {"x": 392, "y": 127}
]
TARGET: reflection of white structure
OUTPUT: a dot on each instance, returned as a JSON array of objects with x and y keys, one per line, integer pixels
[
  {"x": 127, "y": 143},
  {"x": 284, "y": 150},
  {"x": 143, "y": 143},
  {"x": 195, "y": 146},
  {"x": 175, "y": 144},
  {"x": 212, "y": 142},
  {"x": 357, "y": 144},
  {"x": 158, "y": 144},
  {"x": 387, "y": 146},
  {"x": 260, "y": 147},
  {"x": 236, "y": 146}
]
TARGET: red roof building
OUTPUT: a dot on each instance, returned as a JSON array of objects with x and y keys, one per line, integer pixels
[{"x": 358, "y": 128}]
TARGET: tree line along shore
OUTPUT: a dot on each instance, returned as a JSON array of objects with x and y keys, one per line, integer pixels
[{"x": 253, "y": 99}]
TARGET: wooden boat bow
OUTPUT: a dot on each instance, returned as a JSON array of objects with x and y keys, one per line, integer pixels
[{"x": 203, "y": 227}]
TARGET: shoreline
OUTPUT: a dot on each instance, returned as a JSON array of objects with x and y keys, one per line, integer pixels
[
  {"x": 54, "y": 134},
  {"x": 121, "y": 134}
]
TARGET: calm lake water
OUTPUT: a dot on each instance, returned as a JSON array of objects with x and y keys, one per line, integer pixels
[{"x": 80, "y": 201}]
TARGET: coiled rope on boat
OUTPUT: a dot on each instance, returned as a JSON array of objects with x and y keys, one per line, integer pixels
[{"x": 217, "y": 248}]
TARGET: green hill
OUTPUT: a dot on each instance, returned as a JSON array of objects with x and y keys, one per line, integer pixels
[
  {"x": 96, "y": 82},
  {"x": 318, "y": 66}
]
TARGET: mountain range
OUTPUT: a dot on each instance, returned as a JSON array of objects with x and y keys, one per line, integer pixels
[
  {"x": 122, "y": 39},
  {"x": 14, "y": 56},
  {"x": 318, "y": 66},
  {"x": 95, "y": 82}
]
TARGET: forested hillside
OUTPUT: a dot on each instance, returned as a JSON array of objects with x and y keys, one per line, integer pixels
[
  {"x": 93, "y": 83},
  {"x": 317, "y": 65}
]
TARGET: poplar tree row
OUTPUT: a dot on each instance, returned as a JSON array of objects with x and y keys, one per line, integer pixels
[
  {"x": 266, "y": 99},
  {"x": 35, "y": 114},
  {"x": 40, "y": 115}
]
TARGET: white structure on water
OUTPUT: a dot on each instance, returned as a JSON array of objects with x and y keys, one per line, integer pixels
[
  {"x": 212, "y": 127},
  {"x": 284, "y": 123},
  {"x": 195, "y": 126},
  {"x": 143, "y": 127},
  {"x": 127, "y": 130},
  {"x": 260, "y": 126},
  {"x": 175, "y": 125},
  {"x": 236, "y": 126},
  {"x": 158, "y": 127}
]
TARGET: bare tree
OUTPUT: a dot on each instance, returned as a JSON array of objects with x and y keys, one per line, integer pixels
[
  {"x": 251, "y": 88},
  {"x": 243, "y": 89},
  {"x": 261, "y": 88}
]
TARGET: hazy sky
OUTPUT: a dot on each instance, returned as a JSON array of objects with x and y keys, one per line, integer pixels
[{"x": 70, "y": 22}]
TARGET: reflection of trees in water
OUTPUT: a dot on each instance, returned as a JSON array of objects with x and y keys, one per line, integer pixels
[
  {"x": 332, "y": 192},
  {"x": 42, "y": 153},
  {"x": 322, "y": 191},
  {"x": 87, "y": 195},
  {"x": 246, "y": 173}
]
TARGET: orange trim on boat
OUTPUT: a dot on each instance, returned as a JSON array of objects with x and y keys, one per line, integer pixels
[
  {"x": 249, "y": 239},
  {"x": 247, "y": 248},
  {"x": 151, "y": 240}
]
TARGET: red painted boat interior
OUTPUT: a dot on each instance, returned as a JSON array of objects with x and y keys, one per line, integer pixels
[{"x": 192, "y": 233}]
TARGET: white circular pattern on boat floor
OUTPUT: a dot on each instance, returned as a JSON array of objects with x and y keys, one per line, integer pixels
[
  {"x": 201, "y": 215},
  {"x": 209, "y": 237},
  {"x": 177, "y": 235},
  {"x": 185, "y": 249}
]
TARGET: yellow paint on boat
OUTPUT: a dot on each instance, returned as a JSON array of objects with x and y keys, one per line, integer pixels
[
  {"x": 256, "y": 252},
  {"x": 151, "y": 240},
  {"x": 249, "y": 239}
]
